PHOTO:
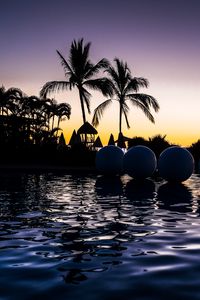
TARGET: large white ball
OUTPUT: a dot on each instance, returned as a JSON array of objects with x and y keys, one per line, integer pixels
[
  {"x": 175, "y": 164},
  {"x": 139, "y": 162},
  {"x": 109, "y": 160}
]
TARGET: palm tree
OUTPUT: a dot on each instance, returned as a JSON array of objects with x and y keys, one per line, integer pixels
[
  {"x": 125, "y": 88},
  {"x": 48, "y": 110},
  {"x": 80, "y": 72},
  {"x": 9, "y": 100},
  {"x": 63, "y": 110},
  {"x": 2, "y": 99},
  {"x": 10, "y": 108},
  {"x": 52, "y": 112}
]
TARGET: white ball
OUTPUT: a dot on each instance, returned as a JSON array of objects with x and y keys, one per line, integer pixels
[
  {"x": 139, "y": 162},
  {"x": 175, "y": 164},
  {"x": 109, "y": 160}
]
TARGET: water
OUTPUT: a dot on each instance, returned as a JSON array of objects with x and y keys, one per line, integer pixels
[{"x": 88, "y": 237}]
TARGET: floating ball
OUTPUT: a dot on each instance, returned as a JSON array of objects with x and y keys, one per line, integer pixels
[
  {"x": 175, "y": 164},
  {"x": 109, "y": 160},
  {"x": 139, "y": 162}
]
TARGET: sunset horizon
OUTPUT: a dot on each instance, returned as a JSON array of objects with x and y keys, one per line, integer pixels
[{"x": 158, "y": 40}]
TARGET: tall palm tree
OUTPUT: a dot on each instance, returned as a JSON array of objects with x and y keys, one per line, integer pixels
[
  {"x": 79, "y": 73},
  {"x": 125, "y": 88}
]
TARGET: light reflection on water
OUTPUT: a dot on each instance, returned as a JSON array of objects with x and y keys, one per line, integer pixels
[{"x": 73, "y": 237}]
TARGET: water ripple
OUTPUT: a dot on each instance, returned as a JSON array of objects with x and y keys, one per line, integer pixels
[{"x": 135, "y": 239}]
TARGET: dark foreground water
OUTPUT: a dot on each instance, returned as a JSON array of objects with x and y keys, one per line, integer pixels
[{"x": 89, "y": 237}]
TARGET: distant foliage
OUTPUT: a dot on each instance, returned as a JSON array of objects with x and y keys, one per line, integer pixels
[
  {"x": 195, "y": 151},
  {"x": 137, "y": 141},
  {"x": 26, "y": 120},
  {"x": 158, "y": 143}
]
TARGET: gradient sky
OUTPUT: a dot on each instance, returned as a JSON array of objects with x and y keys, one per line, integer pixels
[{"x": 158, "y": 39}]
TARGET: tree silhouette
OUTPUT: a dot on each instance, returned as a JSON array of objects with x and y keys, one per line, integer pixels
[
  {"x": 158, "y": 143},
  {"x": 125, "y": 88},
  {"x": 63, "y": 110},
  {"x": 9, "y": 100},
  {"x": 80, "y": 73}
]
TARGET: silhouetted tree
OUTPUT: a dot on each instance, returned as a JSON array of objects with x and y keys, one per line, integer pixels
[
  {"x": 63, "y": 110},
  {"x": 195, "y": 151},
  {"x": 125, "y": 87},
  {"x": 158, "y": 143},
  {"x": 80, "y": 72},
  {"x": 137, "y": 140},
  {"x": 9, "y": 100}
]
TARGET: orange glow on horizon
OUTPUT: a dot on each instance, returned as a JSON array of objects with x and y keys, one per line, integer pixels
[{"x": 185, "y": 140}]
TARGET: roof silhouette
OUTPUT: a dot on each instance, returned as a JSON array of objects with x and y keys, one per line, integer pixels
[
  {"x": 111, "y": 140},
  {"x": 75, "y": 138},
  {"x": 97, "y": 143},
  {"x": 87, "y": 128},
  {"x": 121, "y": 141},
  {"x": 62, "y": 140}
]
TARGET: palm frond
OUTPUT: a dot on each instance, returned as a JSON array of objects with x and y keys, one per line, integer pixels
[
  {"x": 67, "y": 68},
  {"x": 79, "y": 49},
  {"x": 147, "y": 100},
  {"x": 136, "y": 83},
  {"x": 121, "y": 66},
  {"x": 124, "y": 73},
  {"x": 125, "y": 107},
  {"x": 54, "y": 86},
  {"x": 144, "y": 108},
  {"x": 126, "y": 117},
  {"x": 2, "y": 90},
  {"x": 103, "y": 85},
  {"x": 102, "y": 64},
  {"x": 114, "y": 76},
  {"x": 79, "y": 58},
  {"x": 98, "y": 112},
  {"x": 120, "y": 74}
]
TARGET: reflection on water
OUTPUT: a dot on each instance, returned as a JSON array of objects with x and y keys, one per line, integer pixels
[
  {"x": 108, "y": 186},
  {"x": 175, "y": 197},
  {"x": 114, "y": 238},
  {"x": 140, "y": 191}
]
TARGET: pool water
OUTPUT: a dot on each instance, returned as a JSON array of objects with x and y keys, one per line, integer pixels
[{"x": 91, "y": 237}]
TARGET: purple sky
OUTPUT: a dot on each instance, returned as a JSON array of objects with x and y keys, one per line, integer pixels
[{"x": 159, "y": 40}]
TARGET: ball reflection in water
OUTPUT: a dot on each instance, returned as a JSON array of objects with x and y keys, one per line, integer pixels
[
  {"x": 140, "y": 192},
  {"x": 175, "y": 164},
  {"x": 109, "y": 160},
  {"x": 139, "y": 162},
  {"x": 174, "y": 196}
]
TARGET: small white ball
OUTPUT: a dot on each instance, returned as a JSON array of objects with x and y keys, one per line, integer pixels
[
  {"x": 109, "y": 160},
  {"x": 176, "y": 164},
  {"x": 139, "y": 162}
]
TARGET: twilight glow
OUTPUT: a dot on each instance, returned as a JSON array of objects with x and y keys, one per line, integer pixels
[{"x": 158, "y": 39}]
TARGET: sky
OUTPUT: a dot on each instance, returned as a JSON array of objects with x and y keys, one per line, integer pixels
[{"x": 158, "y": 39}]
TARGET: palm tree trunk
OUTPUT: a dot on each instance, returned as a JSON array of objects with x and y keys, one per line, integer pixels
[
  {"x": 58, "y": 124},
  {"x": 120, "y": 117},
  {"x": 82, "y": 106},
  {"x": 52, "y": 122},
  {"x": 83, "y": 111}
]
